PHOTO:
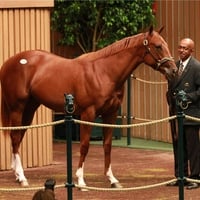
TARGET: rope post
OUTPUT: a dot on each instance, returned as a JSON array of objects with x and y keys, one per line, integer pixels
[
  {"x": 129, "y": 110},
  {"x": 69, "y": 109},
  {"x": 181, "y": 101}
]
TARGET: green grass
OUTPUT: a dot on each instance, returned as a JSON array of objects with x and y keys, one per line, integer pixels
[
  {"x": 139, "y": 143},
  {"x": 134, "y": 143}
]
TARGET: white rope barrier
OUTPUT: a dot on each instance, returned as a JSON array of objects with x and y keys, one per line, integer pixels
[
  {"x": 125, "y": 189},
  {"x": 100, "y": 125},
  {"x": 87, "y": 187},
  {"x": 149, "y": 122},
  {"x": 32, "y": 126},
  {"x": 28, "y": 188},
  {"x": 149, "y": 82},
  {"x": 192, "y": 118},
  {"x": 98, "y": 188},
  {"x": 127, "y": 125}
]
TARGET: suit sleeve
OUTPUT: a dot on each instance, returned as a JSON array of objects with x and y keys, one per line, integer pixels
[{"x": 194, "y": 96}]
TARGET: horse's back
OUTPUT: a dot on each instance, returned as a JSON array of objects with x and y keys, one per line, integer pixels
[
  {"x": 23, "y": 66},
  {"x": 17, "y": 62},
  {"x": 46, "y": 77},
  {"x": 18, "y": 72},
  {"x": 40, "y": 74}
]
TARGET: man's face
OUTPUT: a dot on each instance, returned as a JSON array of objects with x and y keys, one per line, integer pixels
[{"x": 184, "y": 50}]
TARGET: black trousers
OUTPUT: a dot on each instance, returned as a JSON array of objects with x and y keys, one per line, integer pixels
[
  {"x": 174, "y": 133},
  {"x": 176, "y": 159},
  {"x": 193, "y": 149}
]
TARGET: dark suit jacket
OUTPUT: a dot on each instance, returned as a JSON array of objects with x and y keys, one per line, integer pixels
[{"x": 189, "y": 81}]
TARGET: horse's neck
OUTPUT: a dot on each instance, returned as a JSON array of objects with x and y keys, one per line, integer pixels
[
  {"x": 117, "y": 61},
  {"x": 128, "y": 65},
  {"x": 119, "y": 66}
]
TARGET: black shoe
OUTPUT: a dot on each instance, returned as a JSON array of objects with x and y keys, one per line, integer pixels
[
  {"x": 191, "y": 186},
  {"x": 174, "y": 183}
]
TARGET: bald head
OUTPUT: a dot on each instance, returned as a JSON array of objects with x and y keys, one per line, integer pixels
[
  {"x": 188, "y": 42},
  {"x": 186, "y": 48}
]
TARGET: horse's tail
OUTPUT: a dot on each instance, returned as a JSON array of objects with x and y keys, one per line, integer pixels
[{"x": 5, "y": 119}]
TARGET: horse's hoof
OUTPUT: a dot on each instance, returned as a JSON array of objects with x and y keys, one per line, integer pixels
[
  {"x": 24, "y": 183},
  {"x": 116, "y": 185}
]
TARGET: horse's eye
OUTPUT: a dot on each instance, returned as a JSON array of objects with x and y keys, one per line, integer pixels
[{"x": 158, "y": 47}]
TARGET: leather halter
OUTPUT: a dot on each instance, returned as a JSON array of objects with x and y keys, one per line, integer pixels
[{"x": 159, "y": 62}]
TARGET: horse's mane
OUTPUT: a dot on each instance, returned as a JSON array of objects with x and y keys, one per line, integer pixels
[{"x": 110, "y": 49}]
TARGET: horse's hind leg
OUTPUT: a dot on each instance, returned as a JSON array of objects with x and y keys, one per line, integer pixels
[
  {"x": 84, "y": 146},
  {"x": 85, "y": 132},
  {"x": 107, "y": 145},
  {"x": 20, "y": 119},
  {"x": 16, "y": 138}
]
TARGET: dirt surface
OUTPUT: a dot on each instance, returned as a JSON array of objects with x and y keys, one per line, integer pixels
[{"x": 132, "y": 167}]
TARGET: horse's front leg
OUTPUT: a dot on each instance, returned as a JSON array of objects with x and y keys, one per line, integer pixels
[
  {"x": 107, "y": 144},
  {"x": 16, "y": 165},
  {"x": 85, "y": 132}
]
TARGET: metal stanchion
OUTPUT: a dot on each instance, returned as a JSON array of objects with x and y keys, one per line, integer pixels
[
  {"x": 69, "y": 110},
  {"x": 129, "y": 110},
  {"x": 182, "y": 104}
]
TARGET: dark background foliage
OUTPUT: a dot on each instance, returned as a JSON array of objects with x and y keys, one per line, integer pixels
[{"x": 94, "y": 24}]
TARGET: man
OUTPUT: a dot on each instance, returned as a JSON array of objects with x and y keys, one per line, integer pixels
[{"x": 188, "y": 81}]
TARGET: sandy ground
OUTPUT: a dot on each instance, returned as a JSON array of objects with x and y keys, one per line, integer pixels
[{"x": 132, "y": 167}]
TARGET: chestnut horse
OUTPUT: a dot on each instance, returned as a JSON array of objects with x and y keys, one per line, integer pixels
[{"x": 95, "y": 79}]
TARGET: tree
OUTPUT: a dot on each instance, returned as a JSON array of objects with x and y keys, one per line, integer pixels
[{"x": 94, "y": 24}]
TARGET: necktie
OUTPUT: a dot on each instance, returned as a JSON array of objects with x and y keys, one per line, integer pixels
[{"x": 180, "y": 69}]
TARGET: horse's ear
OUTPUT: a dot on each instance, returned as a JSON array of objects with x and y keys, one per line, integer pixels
[
  {"x": 161, "y": 29},
  {"x": 150, "y": 29}
]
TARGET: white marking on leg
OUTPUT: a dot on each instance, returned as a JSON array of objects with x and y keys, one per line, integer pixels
[
  {"x": 80, "y": 174},
  {"x": 17, "y": 167},
  {"x": 13, "y": 162},
  {"x": 110, "y": 176}
]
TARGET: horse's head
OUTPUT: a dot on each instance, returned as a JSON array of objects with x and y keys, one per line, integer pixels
[{"x": 157, "y": 54}]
